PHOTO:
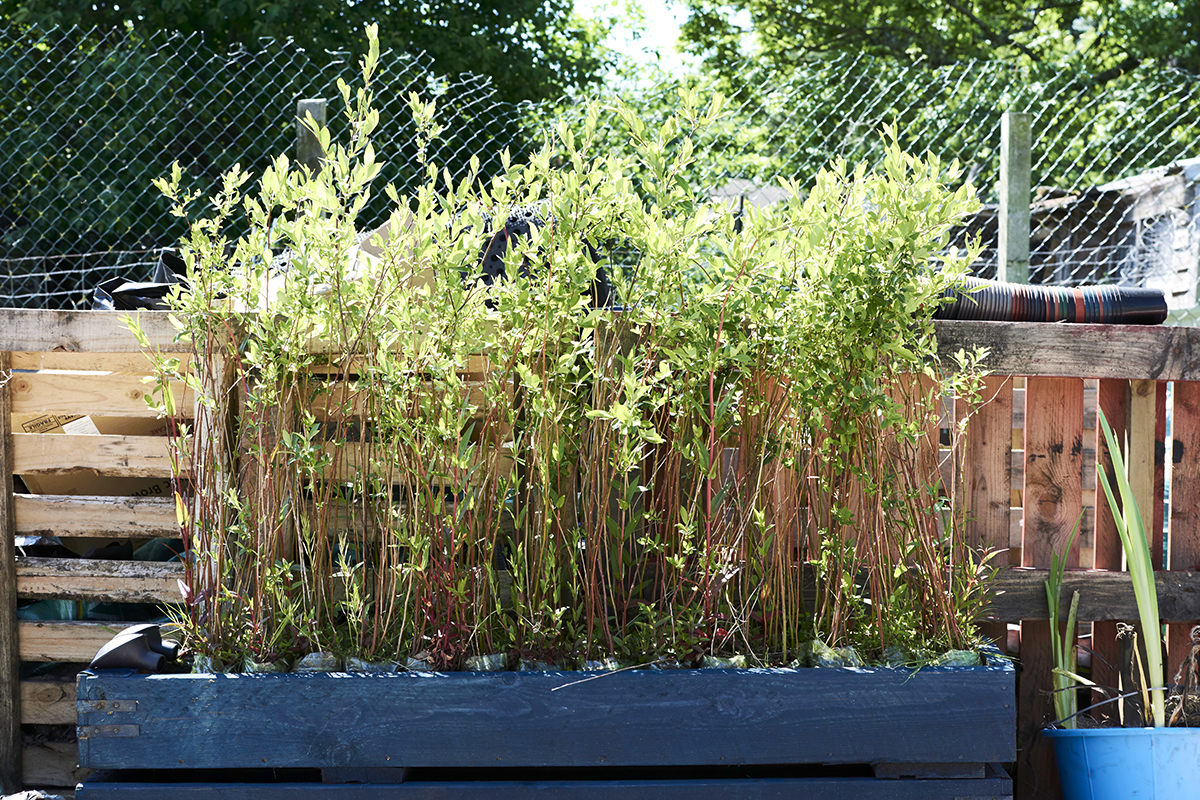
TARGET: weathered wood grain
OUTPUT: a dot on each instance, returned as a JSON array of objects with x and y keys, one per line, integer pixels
[
  {"x": 70, "y": 642},
  {"x": 94, "y": 579},
  {"x": 52, "y": 764},
  {"x": 81, "y": 515},
  {"x": 118, "y": 456},
  {"x": 48, "y": 702},
  {"x": 1088, "y": 351},
  {"x": 86, "y": 331},
  {"x": 1184, "y": 545},
  {"x": 10, "y": 700},
  {"x": 1113, "y": 400},
  {"x": 645, "y": 717},
  {"x": 1104, "y": 595},
  {"x": 987, "y": 474},
  {"x": 1053, "y": 502},
  {"x": 113, "y": 395}
]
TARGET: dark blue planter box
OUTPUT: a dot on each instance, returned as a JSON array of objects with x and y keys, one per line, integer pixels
[{"x": 686, "y": 733}]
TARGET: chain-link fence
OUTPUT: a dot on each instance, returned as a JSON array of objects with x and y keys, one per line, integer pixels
[{"x": 95, "y": 117}]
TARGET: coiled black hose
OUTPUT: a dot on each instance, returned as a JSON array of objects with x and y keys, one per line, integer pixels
[{"x": 1014, "y": 302}]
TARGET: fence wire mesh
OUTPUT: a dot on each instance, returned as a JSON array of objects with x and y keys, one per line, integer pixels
[{"x": 94, "y": 117}]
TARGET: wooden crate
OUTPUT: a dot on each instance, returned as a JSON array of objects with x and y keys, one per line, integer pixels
[
  {"x": 875, "y": 733},
  {"x": 1028, "y": 474},
  {"x": 105, "y": 478}
]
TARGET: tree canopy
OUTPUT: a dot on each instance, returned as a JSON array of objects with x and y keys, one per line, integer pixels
[
  {"x": 532, "y": 49},
  {"x": 1110, "y": 36}
]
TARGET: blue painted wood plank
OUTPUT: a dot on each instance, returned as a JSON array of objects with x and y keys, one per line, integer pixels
[
  {"x": 769, "y": 789},
  {"x": 697, "y": 717}
]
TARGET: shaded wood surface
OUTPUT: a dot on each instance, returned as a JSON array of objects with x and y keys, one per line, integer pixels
[
  {"x": 52, "y": 764},
  {"x": 94, "y": 579},
  {"x": 830, "y": 716},
  {"x": 1104, "y": 595},
  {"x": 1113, "y": 400},
  {"x": 81, "y": 515},
  {"x": 117, "y": 456},
  {"x": 72, "y": 642},
  {"x": 1184, "y": 550},
  {"x": 48, "y": 702},
  {"x": 10, "y": 699}
]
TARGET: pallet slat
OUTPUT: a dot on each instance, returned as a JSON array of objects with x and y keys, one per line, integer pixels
[
  {"x": 93, "y": 579},
  {"x": 1104, "y": 595},
  {"x": 1086, "y": 351},
  {"x": 117, "y": 456},
  {"x": 29, "y": 330},
  {"x": 48, "y": 702},
  {"x": 80, "y": 515},
  {"x": 101, "y": 395},
  {"x": 70, "y": 642},
  {"x": 52, "y": 764}
]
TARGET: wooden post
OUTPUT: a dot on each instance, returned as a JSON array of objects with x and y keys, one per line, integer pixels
[
  {"x": 1013, "y": 265},
  {"x": 10, "y": 660},
  {"x": 308, "y": 149}
]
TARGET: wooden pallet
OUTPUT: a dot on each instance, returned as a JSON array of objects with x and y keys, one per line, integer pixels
[{"x": 110, "y": 482}]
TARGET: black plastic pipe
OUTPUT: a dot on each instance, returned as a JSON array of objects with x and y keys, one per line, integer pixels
[{"x": 1014, "y": 302}]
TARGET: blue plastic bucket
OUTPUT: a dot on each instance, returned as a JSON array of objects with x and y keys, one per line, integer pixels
[{"x": 1143, "y": 763}]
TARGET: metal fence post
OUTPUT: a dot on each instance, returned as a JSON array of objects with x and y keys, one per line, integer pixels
[
  {"x": 1013, "y": 247},
  {"x": 308, "y": 149}
]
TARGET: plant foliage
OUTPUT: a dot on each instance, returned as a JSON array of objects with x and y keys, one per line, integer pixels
[{"x": 396, "y": 460}]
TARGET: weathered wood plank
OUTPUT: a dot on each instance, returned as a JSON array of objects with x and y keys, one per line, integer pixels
[
  {"x": 118, "y": 456},
  {"x": 52, "y": 764},
  {"x": 1088, "y": 351},
  {"x": 993, "y": 787},
  {"x": 987, "y": 474},
  {"x": 1104, "y": 595},
  {"x": 86, "y": 331},
  {"x": 1052, "y": 504},
  {"x": 93, "y": 579},
  {"x": 1087, "y": 473},
  {"x": 113, "y": 395},
  {"x": 1184, "y": 546},
  {"x": 1113, "y": 400},
  {"x": 555, "y": 719},
  {"x": 48, "y": 702},
  {"x": 132, "y": 363},
  {"x": 1139, "y": 457},
  {"x": 10, "y": 700},
  {"x": 1089, "y": 406},
  {"x": 70, "y": 642},
  {"x": 80, "y": 515}
]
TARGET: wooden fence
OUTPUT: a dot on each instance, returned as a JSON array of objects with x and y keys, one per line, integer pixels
[{"x": 1029, "y": 474}]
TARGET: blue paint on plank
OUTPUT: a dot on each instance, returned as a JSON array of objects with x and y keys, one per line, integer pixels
[{"x": 717, "y": 717}]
